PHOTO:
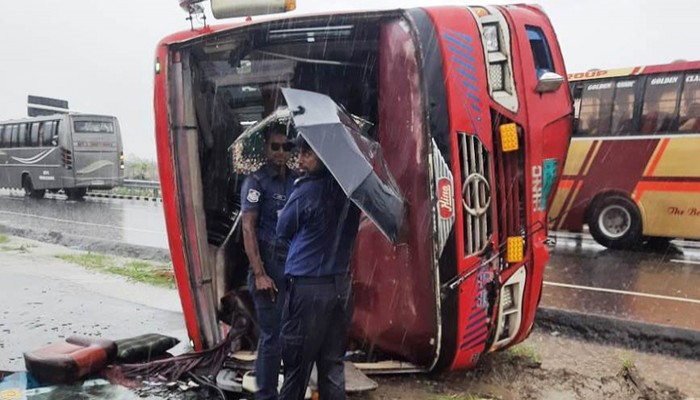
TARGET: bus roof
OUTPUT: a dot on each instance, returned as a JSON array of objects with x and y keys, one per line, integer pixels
[
  {"x": 633, "y": 71},
  {"x": 186, "y": 35},
  {"x": 54, "y": 116}
]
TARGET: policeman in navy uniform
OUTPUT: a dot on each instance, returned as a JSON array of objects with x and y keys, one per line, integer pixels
[
  {"x": 263, "y": 195},
  {"x": 321, "y": 224}
]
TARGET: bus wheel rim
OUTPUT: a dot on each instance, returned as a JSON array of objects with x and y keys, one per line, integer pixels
[{"x": 615, "y": 221}]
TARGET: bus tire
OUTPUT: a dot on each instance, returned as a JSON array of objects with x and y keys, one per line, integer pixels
[
  {"x": 76, "y": 194},
  {"x": 615, "y": 222},
  {"x": 29, "y": 190}
]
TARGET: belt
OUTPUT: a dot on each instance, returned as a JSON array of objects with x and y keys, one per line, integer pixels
[{"x": 312, "y": 280}]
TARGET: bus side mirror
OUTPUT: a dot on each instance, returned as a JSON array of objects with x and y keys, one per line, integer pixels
[
  {"x": 54, "y": 141},
  {"x": 549, "y": 82}
]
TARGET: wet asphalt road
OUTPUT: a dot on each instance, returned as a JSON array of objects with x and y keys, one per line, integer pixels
[
  {"x": 45, "y": 300},
  {"x": 658, "y": 286},
  {"x": 133, "y": 222},
  {"x": 646, "y": 285}
]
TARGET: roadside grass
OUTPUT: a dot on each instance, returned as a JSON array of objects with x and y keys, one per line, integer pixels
[
  {"x": 152, "y": 273},
  {"x": 22, "y": 248},
  {"x": 525, "y": 351},
  {"x": 626, "y": 362}
]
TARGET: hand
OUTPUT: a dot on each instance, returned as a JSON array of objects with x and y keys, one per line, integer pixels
[{"x": 264, "y": 282}]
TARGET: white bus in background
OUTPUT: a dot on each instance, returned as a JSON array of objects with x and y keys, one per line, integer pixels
[{"x": 68, "y": 152}]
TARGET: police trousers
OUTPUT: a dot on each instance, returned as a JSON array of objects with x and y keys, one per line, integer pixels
[
  {"x": 268, "y": 310},
  {"x": 315, "y": 324}
]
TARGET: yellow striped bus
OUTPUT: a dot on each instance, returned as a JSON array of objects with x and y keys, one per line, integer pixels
[{"x": 632, "y": 171}]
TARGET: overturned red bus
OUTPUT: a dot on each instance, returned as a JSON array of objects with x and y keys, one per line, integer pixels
[{"x": 473, "y": 116}]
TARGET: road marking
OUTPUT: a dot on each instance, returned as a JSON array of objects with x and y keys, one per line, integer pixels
[
  {"x": 595, "y": 289},
  {"x": 83, "y": 223},
  {"x": 675, "y": 260}
]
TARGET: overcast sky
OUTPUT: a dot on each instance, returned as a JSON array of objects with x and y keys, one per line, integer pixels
[{"x": 98, "y": 54}]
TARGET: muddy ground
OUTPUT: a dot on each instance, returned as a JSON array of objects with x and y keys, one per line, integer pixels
[
  {"x": 548, "y": 365},
  {"x": 551, "y": 367}
]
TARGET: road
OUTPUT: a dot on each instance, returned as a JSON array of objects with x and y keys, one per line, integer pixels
[
  {"x": 42, "y": 305},
  {"x": 644, "y": 285},
  {"x": 132, "y": 222}
]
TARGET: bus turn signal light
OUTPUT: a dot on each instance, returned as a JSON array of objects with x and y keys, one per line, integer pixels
[
  {"x": 509, "y": 137},
  {"x": 481, "y": 12},
  {"x": 514, "y": 249},
  {"x": 290, "y": 5}
]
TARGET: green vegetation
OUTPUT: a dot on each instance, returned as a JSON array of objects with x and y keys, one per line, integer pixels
[
  {"x": 627, "y": 362},
  {"x": 525, "y": 351},
  {"x": 157, "y": 274},
  {"x": 140, "y": 168},
  {"x": 5, "y": 240}
]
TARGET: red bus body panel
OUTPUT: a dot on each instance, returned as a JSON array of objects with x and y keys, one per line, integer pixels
[{"x": 397, "y": 288}]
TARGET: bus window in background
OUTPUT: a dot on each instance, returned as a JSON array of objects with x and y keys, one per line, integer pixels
[
  {"x": 34, "y": 134},
  {"x": 623, "y": 107},
  {"x": 2, "y": 136},
  {"x": 596, "y": 109},
  {"x": 15, "y": 136},
  {"x": 48, "y": 133},
  {"x": 659, "y": 109},
  {"x": 689, "y": 115},
  {"x": 22, "y": 135}
]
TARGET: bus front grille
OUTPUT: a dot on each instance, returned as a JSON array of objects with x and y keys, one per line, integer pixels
[
  {"x": 510, "y": 189},
  {"x": 476, "y": 193}
]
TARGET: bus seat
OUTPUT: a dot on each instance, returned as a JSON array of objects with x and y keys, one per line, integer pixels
[
  {"x": 649, "y": 122},
  {"x": 691, "y": 122},
  {"x": 69, "y": 361}
]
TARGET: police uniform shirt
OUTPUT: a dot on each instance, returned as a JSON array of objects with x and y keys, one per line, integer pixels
[
  {"x": 321, "y": 224},
  {"x": 266, "y": 192}
]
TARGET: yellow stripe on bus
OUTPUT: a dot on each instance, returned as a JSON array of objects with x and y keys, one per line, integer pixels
[
  {"x": 678, "y": 157},
  {"x": 591, "y": 159},
  {"x": 577, "y": 154}
]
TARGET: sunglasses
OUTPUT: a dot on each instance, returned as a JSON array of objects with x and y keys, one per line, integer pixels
[{"x": 286, "y": 146}]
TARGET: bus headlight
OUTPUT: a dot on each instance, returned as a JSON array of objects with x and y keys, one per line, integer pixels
[
  {"x": 491, "y": 37},
  {"x": 496, "y": 76},
  {"x": 507, "y": 301}
]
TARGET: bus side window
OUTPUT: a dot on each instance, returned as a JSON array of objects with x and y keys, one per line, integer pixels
[
  {"x": 659, "y": 110},
  {"x": 48, "y": 133},
  {"x": 689, "y": 114},
  {"x": 540, "y": 50},
  {"x": 596, "y": 108},
  {"x": 56, "y": 128},
  {"x": 623, "y": 107},
  {"x": 15, "y": 136},
  {"x": 576, "y": 90},
  {"x": 34, "y": 134},
  {"x": 23, "y": 135}
]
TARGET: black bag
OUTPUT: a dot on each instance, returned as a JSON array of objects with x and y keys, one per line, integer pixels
[{"x": 144, "y": 348}]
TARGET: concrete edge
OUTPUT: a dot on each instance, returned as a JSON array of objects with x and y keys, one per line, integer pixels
[
  {"x": 677, "y": 342},
  {"x": 95, "y": 245},
  {"x": 123, "y": 197}
]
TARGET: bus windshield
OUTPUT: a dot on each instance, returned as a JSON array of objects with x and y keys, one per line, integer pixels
[{"x": 93, "y": 127}]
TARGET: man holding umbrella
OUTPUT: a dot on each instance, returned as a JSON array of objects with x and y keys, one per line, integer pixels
[
  {"x": 263, "y": 195},
  {"x": 321, "y": 223}
]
